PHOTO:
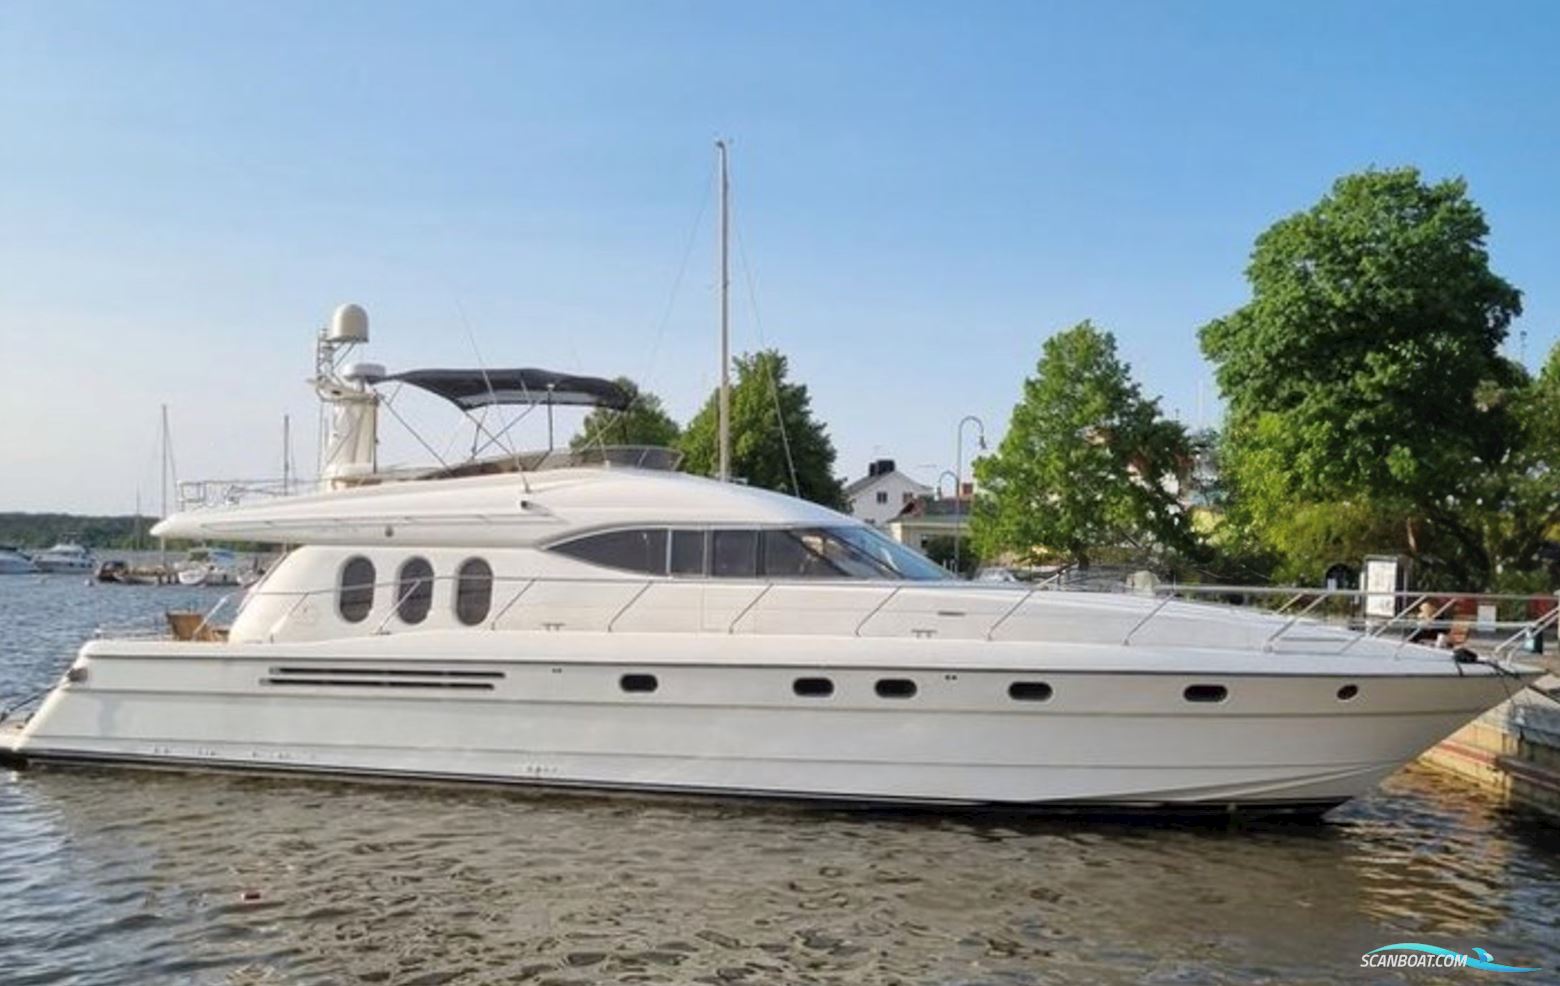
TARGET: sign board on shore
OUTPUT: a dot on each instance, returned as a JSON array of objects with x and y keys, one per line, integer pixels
[{"x": 1384, "y": 577}]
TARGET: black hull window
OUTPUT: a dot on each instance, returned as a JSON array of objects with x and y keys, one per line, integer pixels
[
  {"x": 414, "y": 590},
  {"x": 473, "y": 591},
  {"x": 356, "y": 597}
]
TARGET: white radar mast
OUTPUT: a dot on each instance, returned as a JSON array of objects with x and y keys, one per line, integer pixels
[{"x": 349, "y": 408}]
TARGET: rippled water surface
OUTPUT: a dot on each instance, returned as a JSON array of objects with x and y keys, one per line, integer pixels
[{"x": 117, "y": 877}]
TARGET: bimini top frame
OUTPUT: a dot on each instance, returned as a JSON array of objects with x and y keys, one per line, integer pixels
[{"x": 472, "y": 389}]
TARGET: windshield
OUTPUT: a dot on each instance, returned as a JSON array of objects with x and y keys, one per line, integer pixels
[{"x": 893, "y": 559}]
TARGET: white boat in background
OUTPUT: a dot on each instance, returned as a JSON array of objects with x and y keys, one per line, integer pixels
[
  {"x": 584, "y": 620},
  {"x": 13, "y": 561},
  {"x": 209, "y": 566},
  {"x": 66, "y": 557}
]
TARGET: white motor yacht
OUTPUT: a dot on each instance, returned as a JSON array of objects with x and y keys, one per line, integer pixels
[
  {"x": 14, "y": 561},
  {"x": 66, "y": 557},
  {"x": 584, "y": 621}
]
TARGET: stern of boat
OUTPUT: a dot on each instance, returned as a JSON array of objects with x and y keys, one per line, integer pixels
[{"x": 10, "y": 744}]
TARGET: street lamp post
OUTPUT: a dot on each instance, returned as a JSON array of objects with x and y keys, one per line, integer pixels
[
  {"x": 947, "y": 474},
  {"x": 958, "y": 489}
]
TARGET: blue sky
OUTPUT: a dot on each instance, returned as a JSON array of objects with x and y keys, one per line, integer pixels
[{"x": 923, "y": 192}]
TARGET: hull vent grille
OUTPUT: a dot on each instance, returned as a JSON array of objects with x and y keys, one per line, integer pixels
[{"x": 334, "y": 676}]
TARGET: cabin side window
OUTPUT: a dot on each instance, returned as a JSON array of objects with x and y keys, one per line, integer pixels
[
  {"x": 356, "y": 595},
  {"x": 687, "y": 553},
  {"x": 857, "y": 552},
  {"x": 641, "y": 550},
  {"x": 473, "y": 591},
  {"x": 791, "y": 555},
  {"x": 414, "y": 590},
  {"x": 734, "y": 554}
]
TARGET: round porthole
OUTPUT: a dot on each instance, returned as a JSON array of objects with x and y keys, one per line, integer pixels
[{"x": 1347, "y": 692}]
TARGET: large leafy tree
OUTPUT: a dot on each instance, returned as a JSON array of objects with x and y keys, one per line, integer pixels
[
  {"x": 768, "y": 411},
  {"x": 1088, "y": 467},
  {"x": 1360, "y": 376},
  {"x": 643, "y": 422},
  {"x": 1508, "y": 505}
]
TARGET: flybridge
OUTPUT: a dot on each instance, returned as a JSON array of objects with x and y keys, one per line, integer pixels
[
  {"x": 352, "y": 394},
  {"x": 350, "y": 398}
]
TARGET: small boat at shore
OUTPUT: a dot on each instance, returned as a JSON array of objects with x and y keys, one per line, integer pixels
[
  {"x": 13, "y": 561},
  {"x": 209, "y": 566},
  {"x": 118, "y": 572},
  {"x": 66, "y": 557}
]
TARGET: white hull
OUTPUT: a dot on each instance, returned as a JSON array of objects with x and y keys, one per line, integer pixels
[
  {"x": 57, "y": 566},
  {"x": 724, "y": 719},
  {"x": 16, "y": 565}
]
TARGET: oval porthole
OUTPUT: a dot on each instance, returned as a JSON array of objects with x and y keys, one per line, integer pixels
[
  {"x": 813, "y": 687},
  {"x": 473, "y": 591},
  {"x": 1348, "y": 692},
  {"x": 1206, "y": 693},
  {"x": 414, "y": 590},
  {"x": 355, "y": 596},
  {"x": 638, "y": 683},
  {"x": 1030, "y": 691},
  {"x": 895, "y": 688}
]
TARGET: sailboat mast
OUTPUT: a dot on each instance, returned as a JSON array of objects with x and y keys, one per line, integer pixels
[
  {"x": 162, "y": 542},
  {"x": 286, "y": 454},
  {"x": 725, "y": 315}
]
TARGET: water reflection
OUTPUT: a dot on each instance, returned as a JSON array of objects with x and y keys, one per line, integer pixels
[{"x": 259, "y": 880}]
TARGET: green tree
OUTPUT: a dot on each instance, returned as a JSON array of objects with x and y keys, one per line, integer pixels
[
  {"x": 1353, "y": 376},
  {"x": 1508, "y": 504},
  {"x": 758, "y": 444},
  {"x": 644, "y": 422},
  {"x": 1088, "y": 465}
]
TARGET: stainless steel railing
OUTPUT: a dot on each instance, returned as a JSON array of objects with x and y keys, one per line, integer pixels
[{"x": 1340, "y": 613}]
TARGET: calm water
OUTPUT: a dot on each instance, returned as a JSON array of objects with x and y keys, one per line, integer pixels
[{"x": 109, "y": 877}]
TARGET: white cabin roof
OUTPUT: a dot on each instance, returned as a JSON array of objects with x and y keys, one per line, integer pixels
[{"x": 507, "y": 509}]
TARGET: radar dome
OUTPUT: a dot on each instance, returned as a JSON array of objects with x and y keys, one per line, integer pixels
[
  {"x": 349, "y": 323},
  {"x": 364, "y": 372}
]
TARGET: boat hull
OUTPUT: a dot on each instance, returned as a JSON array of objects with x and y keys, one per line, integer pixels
[
  {"x": 64, "y": 566},
  {"x": 1109, "y": 739}
]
